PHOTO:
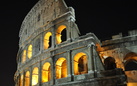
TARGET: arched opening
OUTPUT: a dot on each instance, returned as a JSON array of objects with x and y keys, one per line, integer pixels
[
  {"x": 131, "y": 65},
  {"x": 109, "y": 63},
  {"x": 27, "y": 78},
  {"x": 130, "y": 61},
  {"x": 131, "y": 68},
  {"x": 24, "y": 56},
  {"x": 46, "y": 72},
  {"x": 61, "y": 68},
  {"x": 30, "y": 51},
  {"x": 47, "y": 40},
  {"x": 21, "y": 81},
  {"x": 61, "y": 34},
  {"x": 35, "y": 76},
  {"x": 130, "y": 56},
  {"x": 80, "y": 63}
]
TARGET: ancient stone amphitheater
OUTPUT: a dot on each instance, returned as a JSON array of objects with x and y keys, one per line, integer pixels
[{"x": 51, "y": 52}]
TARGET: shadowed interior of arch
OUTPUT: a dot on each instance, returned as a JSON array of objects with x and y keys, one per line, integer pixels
[
  {"x": 131, "y": 61},
  {"x": 61, "y": 34},
  {"x": 131, "y": 65}
]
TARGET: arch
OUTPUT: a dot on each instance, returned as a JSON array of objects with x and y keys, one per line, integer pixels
[
  {"x": 47, "y": 40},
  {"x": 46, "y": 72},
  {"x": 27, "y": 78},
  {"x": 131, "y": 55},
  {"x": 131, "y": 65},
  {"x": 80, "y": 63},
  {"x": 21, "y": 81},
  {"x": 109, "y": 63},
  {"x": 24, "y": 56},
  {"x": 29, "y": 51},
  {"x": 59, "y": 37},
  {"x": 61, "y": 68},
  {"x": 35, "y": 76},
  {"x": 130, "y": 61}
]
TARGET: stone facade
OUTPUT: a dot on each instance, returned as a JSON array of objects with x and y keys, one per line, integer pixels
[
  {"x": 123, "y": 49},
  {"x": 48, "y": 57}
]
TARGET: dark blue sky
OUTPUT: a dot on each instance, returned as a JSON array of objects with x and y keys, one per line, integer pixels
[{"x": 103, "y": 18}]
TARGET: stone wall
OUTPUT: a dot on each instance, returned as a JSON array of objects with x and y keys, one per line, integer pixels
[
  {"x": 62, "y": 58},
  {"x": 119, "y": 47}
]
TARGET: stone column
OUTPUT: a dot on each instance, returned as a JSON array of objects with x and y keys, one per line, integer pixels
[
  {"x": 69, "y": 64},
  {"x": 53, "y": 71},
  {"x": 70, "y": 27},
  {"x": 31, "y": 76},
  {"x": 53, "y": 40},
  {"x": 91, "y": 66},
  {"x": 40, "y": 74}
]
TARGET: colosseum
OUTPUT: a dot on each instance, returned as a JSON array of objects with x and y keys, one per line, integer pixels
[{"x": 52, "y": 52}]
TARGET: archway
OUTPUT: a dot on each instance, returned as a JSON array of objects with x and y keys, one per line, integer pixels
[
  {"x": 46, "y": 72},
  {"x": 47, "y": 40},
  {"x": 27, "y": 78},
  {"x": 21, "y": 81},
  {"x": 24, "y": 56},
  {"x": 131, "y": 68},
  {"x": 30, "y": 51},
  {"x": 61, "y": 68},
  {"x": 61, "y": 34},
  {"x": 131, "y": 65},
  {"x": 80, "y": 63},
  {"x": 130, "y": 61},
  {"x": 35, "y": 76},
  {"x": 109, "y": 63}
]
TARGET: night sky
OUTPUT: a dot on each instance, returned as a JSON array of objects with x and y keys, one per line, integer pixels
[{"x": 103, "y": 18}]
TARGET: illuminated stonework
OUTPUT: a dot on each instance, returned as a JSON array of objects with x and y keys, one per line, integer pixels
[
  {"x": 51, "y": 52},
  {"x": 61, "y": 68},
  {"x": 46, "y": 72},
  {"x": 58, "y": 33},
  {"x": 29, "y": 53},
  {"x": 124, "y": 50},
  {"x": 80, "y": 64},
  {"x": 27, "y": 78},
  {"x": 47, "y": 40},
  {"x": 24, "y": 56},
  {"x": 35, "y": 76}
]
